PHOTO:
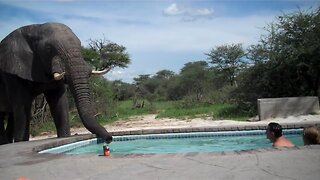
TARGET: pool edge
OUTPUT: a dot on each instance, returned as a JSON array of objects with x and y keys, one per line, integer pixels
[{"x": 72, "y": 139}]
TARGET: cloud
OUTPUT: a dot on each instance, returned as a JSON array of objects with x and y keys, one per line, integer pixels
[
  {"x": 187, "y": 13},
  {"x": 172, "y": 10}
]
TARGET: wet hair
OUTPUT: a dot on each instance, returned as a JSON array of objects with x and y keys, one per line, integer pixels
[
  {"x": 311, "y": 135},
  {"x": 275, "y": 128}
]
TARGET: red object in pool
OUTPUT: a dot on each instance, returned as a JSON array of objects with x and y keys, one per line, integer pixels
[{"x": 106, "y": 150}]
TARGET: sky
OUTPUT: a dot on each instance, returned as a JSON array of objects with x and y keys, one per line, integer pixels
[{"x": 158, "y": 34}]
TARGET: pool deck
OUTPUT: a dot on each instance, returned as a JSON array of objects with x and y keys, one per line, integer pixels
[{"x": 22, "y": 160}]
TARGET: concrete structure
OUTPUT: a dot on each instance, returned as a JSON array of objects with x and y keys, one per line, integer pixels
[
  {"x": 19, "y": 160},
  {"x": 284, "y": 107},
  {"x": 22, "y": 160}
]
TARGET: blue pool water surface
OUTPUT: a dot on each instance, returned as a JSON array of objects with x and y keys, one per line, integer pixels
[{"x": 181, "y": 143}]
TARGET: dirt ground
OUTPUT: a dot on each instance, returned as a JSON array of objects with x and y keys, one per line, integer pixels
[{"x": 151, "y": 122}]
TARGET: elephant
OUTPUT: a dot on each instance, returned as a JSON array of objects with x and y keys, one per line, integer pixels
[
  {"x": 44, "y": 58},
  {"x": 6, "y": 132}
]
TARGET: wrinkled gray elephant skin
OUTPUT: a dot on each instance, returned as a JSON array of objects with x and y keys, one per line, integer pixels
[
  {"x": 6, "y": 116},
  {"x": 30, "y": 58}
]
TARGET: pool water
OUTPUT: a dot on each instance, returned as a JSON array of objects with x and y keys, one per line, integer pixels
[{"x": 198, "y": 142}]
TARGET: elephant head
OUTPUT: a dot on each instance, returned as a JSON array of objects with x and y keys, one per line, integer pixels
[{"x": 44, "y": 53}]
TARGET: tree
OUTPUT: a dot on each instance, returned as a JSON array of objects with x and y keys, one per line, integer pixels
[
  {"x": 141, "y": 89},
  {"x": 193, "y": 79},
  {"x": 123, "y": 91},
  {"x": 228, "y": 59},
  {"x": 141, "y": 79},
  {"x": 286, "y": 59},
  {"x": 258, "y": 53},
  {"x": 300, "y": 35},
  {"x": 292, "y": 49},
  {"x": 164, "y": 74},
  {"x": 107, "y": 54},
  {"x": 162, "y": 79},
  {"x": 173, "y": 89},
  {"x": 102, "y": 95},
  {"x": 90, "y": 56}
]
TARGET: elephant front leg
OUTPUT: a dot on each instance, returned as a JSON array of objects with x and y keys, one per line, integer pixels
[
  {"x": 20, "y": 98},
  {"x": 3, "y": 137},
  {"x": 6, "y": 132},
  {"x": 10, "y": 128},
  {"x": 59, "y": 108},
  {"x": 22, "y": 116}
]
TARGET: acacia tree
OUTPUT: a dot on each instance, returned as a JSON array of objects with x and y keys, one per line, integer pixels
[
  {"x": 193, "y": 80},
  {"x": 164, "y": 74},
  {"x": 228, "y": 59},
  {"x": 162, "y": 79},
  {"x": 141, "y": 90},
  {"x": 107, "y": 55}
]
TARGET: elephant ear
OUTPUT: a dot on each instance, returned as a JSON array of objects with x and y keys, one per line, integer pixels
[{"x": 18, "y": 58}]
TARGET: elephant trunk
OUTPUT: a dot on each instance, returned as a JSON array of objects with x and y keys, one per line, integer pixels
[{"x": 78, "y": 82}]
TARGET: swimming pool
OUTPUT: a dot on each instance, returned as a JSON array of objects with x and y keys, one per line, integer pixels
[{"x": 178, "y": 143}]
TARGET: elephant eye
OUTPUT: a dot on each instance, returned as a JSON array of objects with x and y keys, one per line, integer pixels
[{"x": 49, "y": 49}]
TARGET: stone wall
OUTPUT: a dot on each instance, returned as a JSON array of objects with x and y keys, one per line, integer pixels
[{"x": 284, "y": 107}]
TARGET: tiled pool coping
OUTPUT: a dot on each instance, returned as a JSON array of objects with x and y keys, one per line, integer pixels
[
  {"x": 68, "y": 147},
  {"x": 295, "y": 125},
  {"x": 206, "y": 129}
]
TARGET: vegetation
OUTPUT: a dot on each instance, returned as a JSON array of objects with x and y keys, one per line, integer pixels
[
  {"x": 228, "y": 59},
  {"x": 285, "y": 62},
  {"x": 104, "y": 54}
]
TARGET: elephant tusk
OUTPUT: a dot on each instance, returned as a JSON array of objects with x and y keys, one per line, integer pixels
[
  {"x": 58, "y": 76},
  {"x": 102, "y": 72}
]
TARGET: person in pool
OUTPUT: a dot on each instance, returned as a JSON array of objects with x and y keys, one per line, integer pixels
[
  {"x": 274, "y": 134},
  {"x": 311, "y": 135}
]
